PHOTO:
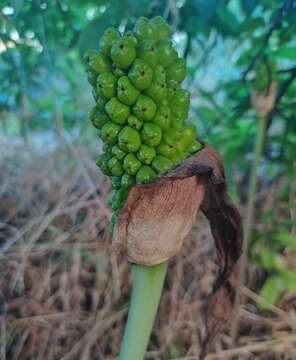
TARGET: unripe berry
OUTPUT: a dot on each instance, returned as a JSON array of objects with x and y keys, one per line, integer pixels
[
  {"x": 117, "y": 111},
  {"x": 144, "y": 29},
  {"x": 98, "y": 118},
  {"x": 127, "y": 181},
  {"x": 144, "y": 108},
  {"x": 145, "y": 175},
  {"x": 129, "y": 139},
  {"x": 98, "y": 63},
  {"x": 161, "y": 28},
  {"x": 122, "y": 53},
  {"x": 161, "y": 164},
  {"x": 166, "y": 54},
  {"x": 107, "y": 40},
  {"x": 126, "y": 92},
  {"x": 117, "y": 152},
  {"x": 141, "y": 74},
  {"x": 177, "y": 71},
  {"x": 135, "y": 123},
  {"x": 151, "y": 134},
  {"x": 147, "y": 51},
  {"x": 146, "y": 154},
  {"x": 107, "y": 84},
  {"x": 115, "y": 166},
  {"x": 110, "y": 132},
  {"x": 131, "y": 164}
]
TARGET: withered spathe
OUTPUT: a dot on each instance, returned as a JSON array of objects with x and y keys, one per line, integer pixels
[{"x": 157, "y": 217}]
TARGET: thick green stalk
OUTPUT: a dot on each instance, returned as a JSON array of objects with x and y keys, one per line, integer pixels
[
  {"x": 258, "y": 147},
  {"x": 147, "y": 287}
]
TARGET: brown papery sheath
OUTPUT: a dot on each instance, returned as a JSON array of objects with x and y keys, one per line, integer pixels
[{"x": 157, "y": 217}]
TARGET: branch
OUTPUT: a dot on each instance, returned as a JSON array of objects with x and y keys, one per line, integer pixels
[
  {"x": 288, "y": 4},
  {"x": 287, "y": 70},
  {"x": 279, "y": 96}
]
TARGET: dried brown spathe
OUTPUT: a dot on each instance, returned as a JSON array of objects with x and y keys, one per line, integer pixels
[{"x": 157, "y": 217}]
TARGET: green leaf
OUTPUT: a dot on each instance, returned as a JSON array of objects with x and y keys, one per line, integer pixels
[
  {"x": 269, "y": 292},
  {"x": 288, "y": 279},
  {"x": 206, "y": 113},
  {"x": 227, "y": 22},
  {"x": 286, "y": 52},
  {"x": 285, "y": 239},
  {"x": 251, "y": 24}
]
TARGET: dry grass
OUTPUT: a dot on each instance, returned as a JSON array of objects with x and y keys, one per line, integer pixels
[{"x": 64, "y": 295}]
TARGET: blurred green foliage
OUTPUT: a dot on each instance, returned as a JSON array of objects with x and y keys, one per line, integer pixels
[{"x": 232, "y": 47}]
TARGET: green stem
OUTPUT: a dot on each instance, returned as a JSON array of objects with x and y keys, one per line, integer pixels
[
  {"x": 248, "y": 224},
  {"x": 147, "y": 287}
]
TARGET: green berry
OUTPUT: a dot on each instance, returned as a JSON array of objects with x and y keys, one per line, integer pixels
[
  {"x": 151, "y": 134},
  {"x": 131, "y": 164},
  {"x": 161, "y": 28},
  {"x": 102, "y": 162},
  {"x": 194, "y": 147},
  {"x": 177, "y": 70},
  {"x": 129, "y": 139},
  {"x": 159, "y": 74},
  {"x": 148, "y": 52},
  {"x": 171, "y": 136},
  {"x": 157, "y": 91},
  {"x": 107, "y": 40},
  {"x": 118, "y": 73},
  {"x": 188, "y": 137},
  {"x": 161, "y": 164},
  {"x": 146, "y": 154},
  {"x": 130, "y": 38},
  {"x": 126, "y": 92},
  {"x": 113, "y": 221},
  {"x": 122, "y": 53},
  {"x": 101, "y": 102},
  {"x": 99, "y": 63},
  {"x": 98, "y": 118},
  {"x": 181, "y": 98},
  {"x": 140, "y": 74},
  {"x": 110, "y": 132},
  {"x": 145, "y": 175},
  {"x": 118, "y": 198},
  {"x": 144, "y": 108},
  {"x": 134, "y": 122},
  {"x": 115, "y": 166},
  {"x": 166, "y": 54},
  {"x": 178, "y": 157},
  {"x": 107, "y": 148},
  {"x": 117, "y": 111},
  {"x": 107, "y": 84},
  {"x": 116, "y": 182},
  {"x": 162, "y": 117},
  {"x": 144, "y": 30},
  {"x": 117, "y": 152},
  {"x": 176, "y": 122},
  {"x": 166, "y": 150},
  {"x": 127, "y": 181},
  {"x": 172, "y": 87}
]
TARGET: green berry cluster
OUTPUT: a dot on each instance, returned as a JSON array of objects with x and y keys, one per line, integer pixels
[{"x": 140, "y": 108}]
